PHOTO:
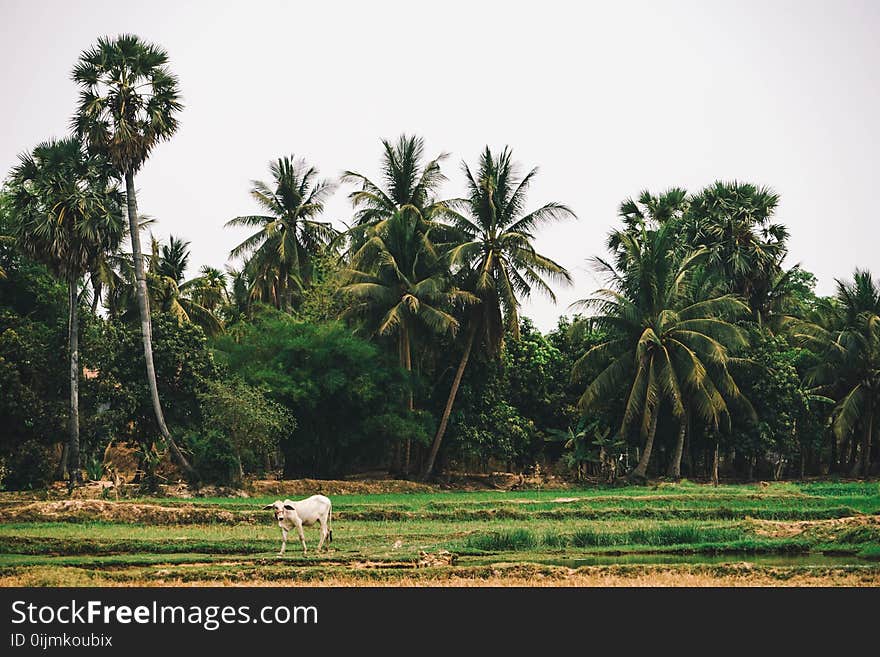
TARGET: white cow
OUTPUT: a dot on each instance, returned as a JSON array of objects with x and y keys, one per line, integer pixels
[{"x": 307, "y": 512}]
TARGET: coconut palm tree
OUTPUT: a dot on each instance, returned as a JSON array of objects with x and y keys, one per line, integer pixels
[
  {"x": 847, "y": 336},
  {"x": 128, "y": 104},
  {"x": 494, "y": 253},
  {"x": 67, "y": 210},
  {"x": 660, "y": 349},
  {"x": 209, "y": 288},
  {"x": 289, "y": 236},
  {"x": 169, "y": 293},
  {"x": 406, "y": 182},
  {"x": 398, "y": 282},
  {"x": 173, "y": 259}
]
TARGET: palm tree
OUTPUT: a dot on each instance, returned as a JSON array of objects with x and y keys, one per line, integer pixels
[
  {"x": 173, "y": 259},
  {"x": 659, "y": 348},
  {"x": 209, "y": 288},
  {"x": 169, "y": 293},
  {"x": 129, "y": 104},
  {"x": 289, "y": 237},
  {"x": 847, "y": 338},
  {"x": 494, "y": 253},
  {"x": 734, "y": 222},
  {"x": 67, "y": 210},
  {"x": 397, "y": 280},
  {"x": 406, "y": 183}
]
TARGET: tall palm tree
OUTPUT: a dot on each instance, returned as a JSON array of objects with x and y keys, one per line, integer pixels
[
  {"x": 659, "y": 348},
  {"x": 128, "y": 104},
  {"x": 289, "y": 236},
  {"x": 847, "y": 338},
  {"x": 67, "y": 210},
  {"x": 406, "y": 182},
  {"x": 494, "y": 253},
  {"x": 397, "y": 280}
]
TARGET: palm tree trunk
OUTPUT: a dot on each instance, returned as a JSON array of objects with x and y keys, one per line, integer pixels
[
  {"x": 674, "y": 471},
  {"x": 406, "y": 358},
  {"x": 453, "y": 391},
  {"x": 147, "y": 328},
  {"x": 715, "y": 459},
  {"x": 641, "y": 470},
  {"x": 74, "y": 473},
  {"x": 865, "y": 456}
]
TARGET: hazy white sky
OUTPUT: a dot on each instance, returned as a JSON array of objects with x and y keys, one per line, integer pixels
[{"x": 606, "y": 98}]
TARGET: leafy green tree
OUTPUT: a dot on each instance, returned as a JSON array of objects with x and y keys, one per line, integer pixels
[
  {"x": 341, "y": 389},
  {"x": 128, "y": 104},
  {"x": 494, "y": 255},
  {"x": 185, "y": 366},
  {"x": 67, "y": 211},
  {"x": 249, "y": 424},
  {"x": 289, "y": 237},
  {"x": 33, "y": 394}
]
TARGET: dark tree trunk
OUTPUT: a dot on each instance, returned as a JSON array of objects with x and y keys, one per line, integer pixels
[
  {"x": 147, "y": 328},
  {"x": 447, "y": 410},
  {"x": 73, "y": 470}
]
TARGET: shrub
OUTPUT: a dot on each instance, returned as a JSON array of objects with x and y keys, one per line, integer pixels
[
  {"x": 214, "y": 457},
  {"x": 30, "y": 466}
]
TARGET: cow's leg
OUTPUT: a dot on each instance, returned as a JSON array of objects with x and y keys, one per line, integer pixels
[
  {"x": 283, "y": 542},
  {"x": 302, "y": 538},
  {"x": 323, "y": 532}
]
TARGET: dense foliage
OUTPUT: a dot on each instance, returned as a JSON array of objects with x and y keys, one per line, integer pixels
[{"x": 399, "y": 344}]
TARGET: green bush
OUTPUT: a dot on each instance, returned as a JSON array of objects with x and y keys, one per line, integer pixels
[
  {"x": 30, "y": 466},
  {"x": 213, "y": 457}
]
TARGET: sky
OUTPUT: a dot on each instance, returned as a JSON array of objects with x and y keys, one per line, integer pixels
[{"x": 607, "y": 99}]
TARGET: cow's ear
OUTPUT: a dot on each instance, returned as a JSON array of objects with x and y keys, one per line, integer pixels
[
  {"x": 289, "y": 508},
  {"x": 268, "y": 506}
]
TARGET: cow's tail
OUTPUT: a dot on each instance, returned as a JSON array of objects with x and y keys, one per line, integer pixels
[{"x": 330, "y": 525}]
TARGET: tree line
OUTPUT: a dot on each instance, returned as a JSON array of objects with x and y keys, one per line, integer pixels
[{"x": 398, "y": 342}]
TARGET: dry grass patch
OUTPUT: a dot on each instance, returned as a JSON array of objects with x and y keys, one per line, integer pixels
[
  {"x": 821, "y": 529},
  {"x": 121, "y": 512}
]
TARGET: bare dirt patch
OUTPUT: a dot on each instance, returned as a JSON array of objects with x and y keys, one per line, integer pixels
[
  {"x": 122, "y": 512},
  {"x": 263, "y": 487}
]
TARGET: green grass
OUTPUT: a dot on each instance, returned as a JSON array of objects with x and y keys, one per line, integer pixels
[{"x": 383, "y": 535}]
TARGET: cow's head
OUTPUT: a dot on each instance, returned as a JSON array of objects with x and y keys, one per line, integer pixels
[{"x": 279, "y": 507}]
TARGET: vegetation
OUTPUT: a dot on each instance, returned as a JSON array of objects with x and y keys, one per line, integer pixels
[
  {"x": 397, "y": 345},
  {"x": 819, "y": 533}
]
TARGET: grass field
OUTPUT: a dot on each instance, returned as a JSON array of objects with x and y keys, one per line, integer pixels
[{"x": 683, "y": 534}]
